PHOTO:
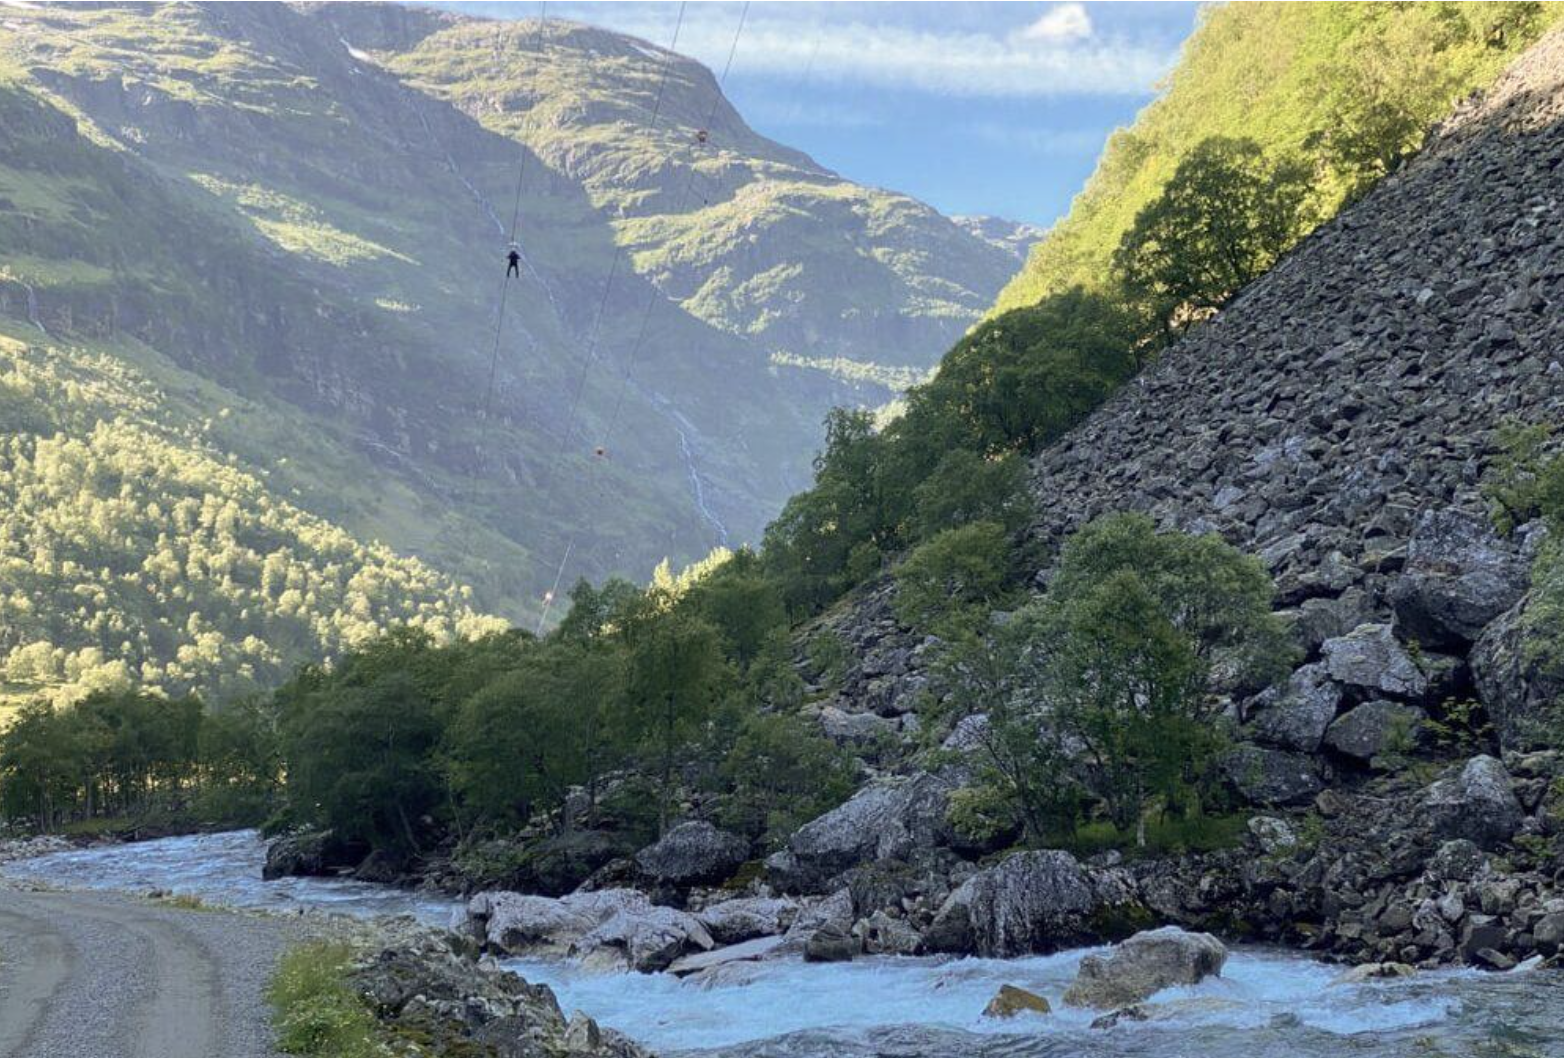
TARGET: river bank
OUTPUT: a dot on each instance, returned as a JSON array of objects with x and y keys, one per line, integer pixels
[{"x": 1266, "y": 1001}]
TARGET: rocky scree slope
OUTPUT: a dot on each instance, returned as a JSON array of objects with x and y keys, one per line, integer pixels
[
  {"x": 1336, "y": 420},
  {"x": 304, "y": 206}
]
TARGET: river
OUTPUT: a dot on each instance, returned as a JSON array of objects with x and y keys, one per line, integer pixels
[{"x": 1267, "y": 1003}]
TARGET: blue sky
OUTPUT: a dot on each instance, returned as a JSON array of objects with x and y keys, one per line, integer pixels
[{"x": 996, "y": 108}]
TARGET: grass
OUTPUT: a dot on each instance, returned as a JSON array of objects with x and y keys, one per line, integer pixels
[
  {"x": 314, "y": 1010},
  {"x": 1163, "y": 836},
  {"x": 185, "y": 902}
]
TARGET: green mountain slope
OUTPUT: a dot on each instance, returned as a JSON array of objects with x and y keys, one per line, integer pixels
[
  {"x": 288, "y": 223},
  {"x": 1285, "y": 75}
]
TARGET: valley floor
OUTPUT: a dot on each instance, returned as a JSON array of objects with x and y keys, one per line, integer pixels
[{"x": 94, "y": 975}]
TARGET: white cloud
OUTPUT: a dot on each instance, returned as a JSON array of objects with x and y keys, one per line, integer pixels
[
  {"x": 927, "y": 57},
  {"x": 1060, "y": 22}
]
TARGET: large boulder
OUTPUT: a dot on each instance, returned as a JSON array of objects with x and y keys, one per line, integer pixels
[
  {"x": 830, "y": 916},
  {"x": 519, "y": 924},
  {"x": 692, "y": 853},
  {"x": 1295, "y": 715},
  {"x": 1271, "y": 776},
  {"x": 1144, "y": 965},
  {"x": 1477, "y": 804},
  {"x": 1372, "y": 728},
  {"x": 1459, "y": 576},
  {"x": 885, "y": 820},
  {"x": 1032, "y": 902},
  {"x": 647, "y": 939},
  {"x": 308, "y": 854},
  {"x": 733, "y": 921},
  {"x": 1517, "y": 686},
  {"x": 1370, "y": 657}
]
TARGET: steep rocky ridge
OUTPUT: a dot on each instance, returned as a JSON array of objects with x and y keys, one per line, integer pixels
[{"x": 1336, "y": 420}]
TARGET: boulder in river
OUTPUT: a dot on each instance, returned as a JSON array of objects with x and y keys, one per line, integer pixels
[
  {"x": 1010, "y": 1001},
  {"x": 1144, "y": 965},
  {"x": 733, "y": 921},
  {"x": 308, "y": 853},
  {"x": 1032, "y": 902},
  {"x": 646, "y": 939},
  {"x": 517, "y": 923}
]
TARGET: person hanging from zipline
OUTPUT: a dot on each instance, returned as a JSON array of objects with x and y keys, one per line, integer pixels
[{"x": 513, "y": 268}]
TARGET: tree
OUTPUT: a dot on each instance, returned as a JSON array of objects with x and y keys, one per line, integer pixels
[
  {"x": 1019, "y": 381},
  {"x": 962, "y": 570},
  {"x": 1127, "y": 639},
  {"x": 361, "y": 760},
  {"x": 834, "y": 535},
  {"x": 1021, "y": 780},
  {"x": 780, "y": 774},
  {"x": 967, "y": 487},
  {"x": 1222, "y": 221},
  {"x": 676, "y": 676}
]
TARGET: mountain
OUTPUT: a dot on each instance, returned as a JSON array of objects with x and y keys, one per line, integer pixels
[
  {"x": 271, "y": 237},
  {"x": 1343, "y": 419},
  {"x": 1300, "y": 79}
]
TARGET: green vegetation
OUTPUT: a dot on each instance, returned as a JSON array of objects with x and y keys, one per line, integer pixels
[
  {"x": 407, "y": 744},
  {"x": 316, "y": 1013},
  {"x": 1117, "y": 662},
  {"x": 125, "y": 756},
  {"x": 1222, "y": 221},
  {"x": 1348, "y": 89},
  {"x": 1525, "y": 483},
  {"x": 137, "y": 555}
]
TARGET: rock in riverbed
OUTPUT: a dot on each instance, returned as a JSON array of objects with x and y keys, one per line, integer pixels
[
  {"x": 1010, "y": 1001},
  {"x": 1144, "y": 965}
]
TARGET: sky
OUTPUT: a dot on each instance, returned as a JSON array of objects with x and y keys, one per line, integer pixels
[{"x": 975, "y": 108}]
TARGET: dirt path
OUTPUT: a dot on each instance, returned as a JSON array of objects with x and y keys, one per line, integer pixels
[{"x": 90, "y": 975}]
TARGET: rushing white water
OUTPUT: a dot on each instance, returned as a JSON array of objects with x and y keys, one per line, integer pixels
[
  {"x": 1266, "y": 1004},
  {"x": 222, "y": 869}
]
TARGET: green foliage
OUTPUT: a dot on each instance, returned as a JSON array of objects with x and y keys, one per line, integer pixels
[
  {"x": 316, "y": 1013},
  {"x": 956, "y": 572},
  {"x": 1521, "y": 477},
  {"x": 780, "y": 774},
  {"x": 675, "y": 684},
  {"x": 1169, "y": 835},
  {"x": 129, "y": 754},
  {"x": 967, "y": 487},
  {"x": 1117, "y": 663},
  {"x": 1348, "y": 88},
  {"x": 1222, "y": 221},
  {"x": 1014, "y": 384}
]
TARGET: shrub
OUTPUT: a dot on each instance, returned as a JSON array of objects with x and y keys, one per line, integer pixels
[{"x": 316, "y": 1013}]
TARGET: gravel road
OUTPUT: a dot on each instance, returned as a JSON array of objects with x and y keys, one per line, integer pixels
[{"x": 95, "y": 975}]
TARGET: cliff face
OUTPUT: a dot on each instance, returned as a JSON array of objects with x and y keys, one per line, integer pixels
[
  {"x": 1336, "y": 419},
  {"x": 307, "y": 206}
]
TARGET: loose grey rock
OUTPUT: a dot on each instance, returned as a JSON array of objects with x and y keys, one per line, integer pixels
[
  {"x": 1271, "y": 776},
  {"x": 1459, "y": 577},
  {"x": 1295, "y": 715},
  {"x": 1143, "y": 965},
  {"x": 1477, "y": 804},
  {"x": 1370, "y": 657},
  {"x": 1370, "y": 729},
  {"x": 692, "y": 853},
  {"x": 1032, "y": 902}
]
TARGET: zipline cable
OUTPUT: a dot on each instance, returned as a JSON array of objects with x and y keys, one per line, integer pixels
[
  {"x": 515, "y": 218},
  {"x": 651, "y": 302}
]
